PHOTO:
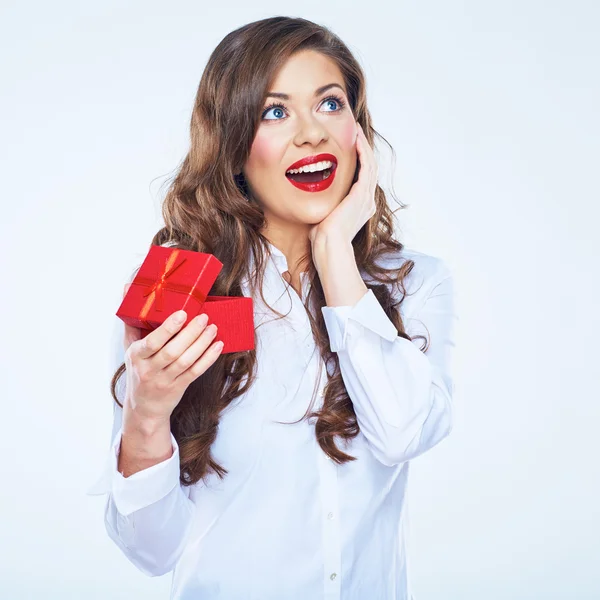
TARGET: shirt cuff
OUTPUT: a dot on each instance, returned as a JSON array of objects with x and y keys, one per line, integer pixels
[
  {"x": 142, "y": 488},
  {"x": 367, "y": 311}
]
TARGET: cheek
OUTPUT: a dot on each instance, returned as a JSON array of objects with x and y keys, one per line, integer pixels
[
  {"x": 264, "y": 153},
  {"x": 348, "y": 135}
]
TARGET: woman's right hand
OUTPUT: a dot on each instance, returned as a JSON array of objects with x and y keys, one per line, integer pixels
[{"x": 162, "y": 364}]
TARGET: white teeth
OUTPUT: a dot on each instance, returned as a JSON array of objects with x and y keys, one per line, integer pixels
[{"x": 320, "y": 166}]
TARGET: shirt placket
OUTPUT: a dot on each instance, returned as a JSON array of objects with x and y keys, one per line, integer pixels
[
  {"x": 330, "y": 523},
  {"x": 328, "y": 478}
]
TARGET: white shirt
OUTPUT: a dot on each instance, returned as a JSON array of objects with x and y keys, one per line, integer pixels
[{"x": 288, "y": 522}]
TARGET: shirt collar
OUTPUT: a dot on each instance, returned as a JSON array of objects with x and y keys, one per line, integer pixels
[{"x": 278, "y": 258}]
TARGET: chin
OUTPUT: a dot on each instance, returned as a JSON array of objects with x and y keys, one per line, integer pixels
[{"x": 321, "y": 206}]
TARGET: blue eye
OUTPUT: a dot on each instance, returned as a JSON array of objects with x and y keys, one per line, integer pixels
[
  {"x": 279, "y": 107},
  {"x": 282, "y": 107},
  {"x": 334, "y": 101}
]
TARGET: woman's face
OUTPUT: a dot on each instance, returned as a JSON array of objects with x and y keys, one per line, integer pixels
[{"x": 302, "y": 125}]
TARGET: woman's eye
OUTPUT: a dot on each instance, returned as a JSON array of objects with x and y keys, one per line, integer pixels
[
  {"x": 331, "y": 100},
  {"x": 279, "y": 110},
  {"x": 276, "y": 110}
]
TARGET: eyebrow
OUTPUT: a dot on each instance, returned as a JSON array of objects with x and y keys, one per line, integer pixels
[{"x": 318, "y": 92}]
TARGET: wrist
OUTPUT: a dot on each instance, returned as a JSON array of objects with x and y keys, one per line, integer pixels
[
  {"x": 144, "y": 426},
  {"x": 327, "y": 248}
]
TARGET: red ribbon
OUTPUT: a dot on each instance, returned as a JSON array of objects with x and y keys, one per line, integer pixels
[{"x": 158, "y": 284}]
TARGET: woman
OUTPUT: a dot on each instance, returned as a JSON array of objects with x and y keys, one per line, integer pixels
[{"x": 281, "y": 472}]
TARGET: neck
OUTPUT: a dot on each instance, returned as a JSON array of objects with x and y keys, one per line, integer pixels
[{"x": 297, "y": 252}]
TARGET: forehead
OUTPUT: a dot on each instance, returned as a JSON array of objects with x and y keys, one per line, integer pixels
[{"x": 304, "y": 72}]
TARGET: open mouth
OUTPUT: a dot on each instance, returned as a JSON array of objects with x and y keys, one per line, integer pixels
[
  {"x": 310, "y": 177},
  {"x": 313, "y": 173}
]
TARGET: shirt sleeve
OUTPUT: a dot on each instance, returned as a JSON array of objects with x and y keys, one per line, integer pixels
[
  {"x": 148, "y": 514},
  {"x": 402, "y": 396}
]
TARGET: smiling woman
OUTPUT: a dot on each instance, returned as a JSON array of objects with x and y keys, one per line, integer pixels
[
  {"x": 281, "y": 472},
  {"x": 311, "y": 117}
]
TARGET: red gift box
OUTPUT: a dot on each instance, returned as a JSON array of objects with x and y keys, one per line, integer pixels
[{"x": 171, "y": 279}]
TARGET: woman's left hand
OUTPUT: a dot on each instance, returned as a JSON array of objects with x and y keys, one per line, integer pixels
[{"x": 347, "y": 218}]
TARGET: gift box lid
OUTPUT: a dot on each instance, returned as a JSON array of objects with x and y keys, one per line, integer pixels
[{"x": 185, "y": 271}]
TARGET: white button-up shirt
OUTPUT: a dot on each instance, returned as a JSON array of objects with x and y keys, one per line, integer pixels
[{"x": 288, "y": 522}]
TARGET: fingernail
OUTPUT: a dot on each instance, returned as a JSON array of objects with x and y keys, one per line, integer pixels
[{"x": 180, "y": 316}]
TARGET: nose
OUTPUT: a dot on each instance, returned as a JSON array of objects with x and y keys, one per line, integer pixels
[{"x": 310, "y": 130}]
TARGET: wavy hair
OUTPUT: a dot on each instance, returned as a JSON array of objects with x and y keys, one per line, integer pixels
[{"x": 208, "y": 208}]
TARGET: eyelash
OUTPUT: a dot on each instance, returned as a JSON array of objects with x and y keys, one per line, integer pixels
[{"x": 339, "y": 100}]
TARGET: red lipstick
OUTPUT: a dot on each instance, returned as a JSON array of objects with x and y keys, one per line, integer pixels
[{"x": 315, "y": 186}]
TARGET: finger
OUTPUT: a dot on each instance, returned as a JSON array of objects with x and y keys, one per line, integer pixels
[
  {"x": 173, "y": 351},
  {"x": 362, "y": 146},
  {"x": 367, "y": 157},
  {"x": 200, "y": 366},
  {"x": 363, "y": 163},
  {"x": 193, "y": 352},
  {"x": 174, "y": 348},
  {"x": 154, "y": 341},
  {"x": 361, "y": 133}
]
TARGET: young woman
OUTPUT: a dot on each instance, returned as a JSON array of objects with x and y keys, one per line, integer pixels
[{"x": 281, "y": 472}]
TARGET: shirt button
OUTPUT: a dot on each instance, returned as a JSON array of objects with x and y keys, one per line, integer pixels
[
  {"x": 330, "y": 516},
  {"x": 333, "y": 576}
]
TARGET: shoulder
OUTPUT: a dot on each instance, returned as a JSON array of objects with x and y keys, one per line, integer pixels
[
  {"x": 428, "y": 270},
  {"x": 429, "y": 284},
  {"x": 428, "y": 266}
]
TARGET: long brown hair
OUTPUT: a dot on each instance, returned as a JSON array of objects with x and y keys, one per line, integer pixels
[{"x": 208, "y": 208}]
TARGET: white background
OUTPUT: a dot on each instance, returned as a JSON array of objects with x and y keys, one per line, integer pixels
[{"x": 492, "y": 109}]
